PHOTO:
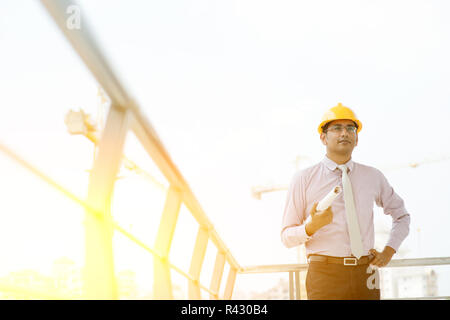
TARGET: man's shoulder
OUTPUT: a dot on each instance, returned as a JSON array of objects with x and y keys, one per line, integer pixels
[
  {"x": 366, "y": 169},
  {"x": 307, "y": 172}
]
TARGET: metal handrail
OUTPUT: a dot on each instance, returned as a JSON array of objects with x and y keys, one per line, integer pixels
[
  {"x": 414, "y": 262},
  {"x": 124, "y": 115},
  {"x": 295, "y": 269},
  {"x": 274, "y": 268},
  {"x": 83, "y": 42}
]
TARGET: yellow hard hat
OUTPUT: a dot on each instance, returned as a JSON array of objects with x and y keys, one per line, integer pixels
[{"x": 339, "y": 112}]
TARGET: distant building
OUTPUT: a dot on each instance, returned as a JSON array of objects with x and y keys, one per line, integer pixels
[
  {"x": 403, "y": 282},
  {"x": 408, "y": 283},
  {"x": 278, "y": 292},
  {"x": 126, "y": 283},
  {"x": 26, "y": 285},
  {"x": 67, "y": 278}
]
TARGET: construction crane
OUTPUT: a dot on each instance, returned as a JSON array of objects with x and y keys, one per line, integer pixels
[{"x": 81, "y": 123}]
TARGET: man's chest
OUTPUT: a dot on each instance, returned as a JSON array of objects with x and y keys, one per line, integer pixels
[{"x": 364, "y": 190}]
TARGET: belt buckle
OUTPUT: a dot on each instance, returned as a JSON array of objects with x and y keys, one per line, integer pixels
[{"x": 350, "y": 261}]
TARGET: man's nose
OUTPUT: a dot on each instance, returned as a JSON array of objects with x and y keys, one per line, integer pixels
[{"x": 344, "y": 132}]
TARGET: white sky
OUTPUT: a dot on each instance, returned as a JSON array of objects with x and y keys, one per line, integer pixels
[{"x": 235, "y": 89}]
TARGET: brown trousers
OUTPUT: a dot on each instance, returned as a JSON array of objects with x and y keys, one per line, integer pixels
[{"x": 338, "y": 282}]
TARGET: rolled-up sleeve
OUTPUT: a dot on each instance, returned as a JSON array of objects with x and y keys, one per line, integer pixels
[
  {"x": 394, "y": 206},
  {"x": 293, "y": 231}
]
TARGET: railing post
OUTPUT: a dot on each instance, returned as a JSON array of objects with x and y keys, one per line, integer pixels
[
  {"x": 196, "y": 263},
  {"x": 162, "y": 283},
  {"x": 99, "y": 263},
  {"x": 291, "y": 285},
  {"x": 230, "y": 283},
  {"x": 217, "y": 274},
  {"x": 297, "y": 285},
  {"x": 303, "y": 295}
]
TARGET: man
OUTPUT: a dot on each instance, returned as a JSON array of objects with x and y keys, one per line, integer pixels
[{"x": 339, "y": 240}]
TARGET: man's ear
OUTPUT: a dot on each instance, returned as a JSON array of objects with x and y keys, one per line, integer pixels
[
  {"x": 356, "y": 140},
  {"x": 323, "y": 138}
]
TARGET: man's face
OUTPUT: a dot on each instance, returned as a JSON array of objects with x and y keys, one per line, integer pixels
[{"x": 340, "y": 137}]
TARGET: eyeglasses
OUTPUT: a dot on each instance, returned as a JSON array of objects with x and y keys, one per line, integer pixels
[{"x": 338, "y": 128}]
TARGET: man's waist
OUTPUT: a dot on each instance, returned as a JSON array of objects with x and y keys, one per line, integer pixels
[{"x": 347, "y": 261}]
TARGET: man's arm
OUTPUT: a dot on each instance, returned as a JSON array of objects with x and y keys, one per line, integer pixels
[
  {"x": 296, "y": 235},
  {"x": 394, "y": 206},
  {"x": 293, "y": 231}
]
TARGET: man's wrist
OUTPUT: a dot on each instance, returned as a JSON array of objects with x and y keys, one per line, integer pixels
[
  {"x": 310, "y": 228},
  {"x": 389, "y": 250}
]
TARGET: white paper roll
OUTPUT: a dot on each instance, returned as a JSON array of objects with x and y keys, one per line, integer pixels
[{"x": 328, "y": 199}]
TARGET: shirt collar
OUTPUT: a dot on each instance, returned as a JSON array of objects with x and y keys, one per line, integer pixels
[{"x": 330, "y": 164}]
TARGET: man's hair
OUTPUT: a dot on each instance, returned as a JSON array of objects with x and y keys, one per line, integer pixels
[{"x": 325, "y": 127}]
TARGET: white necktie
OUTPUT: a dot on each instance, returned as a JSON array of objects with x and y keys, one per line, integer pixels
[{"x": 352, "y": 219}]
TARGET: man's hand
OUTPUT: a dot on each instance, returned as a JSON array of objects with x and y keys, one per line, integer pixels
[
  {"x": 319, "y": 219},
  {"x": 382, "y": 258}
]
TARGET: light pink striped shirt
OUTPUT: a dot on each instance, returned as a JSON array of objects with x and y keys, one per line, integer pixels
[{"x": 369, "y": 186}]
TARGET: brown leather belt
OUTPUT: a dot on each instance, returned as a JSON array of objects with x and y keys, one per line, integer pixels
[{"x": 346, "y": 261}]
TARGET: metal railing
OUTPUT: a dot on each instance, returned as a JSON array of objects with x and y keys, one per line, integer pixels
[
  {"x": 297, "y": 289},
  {"x": 125, "y": 115}
]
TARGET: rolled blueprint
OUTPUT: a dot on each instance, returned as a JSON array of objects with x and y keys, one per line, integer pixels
[{"x": 329, "y": 198}]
